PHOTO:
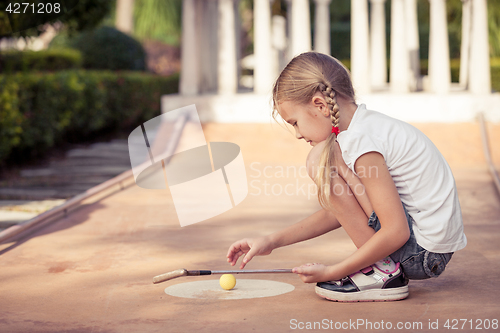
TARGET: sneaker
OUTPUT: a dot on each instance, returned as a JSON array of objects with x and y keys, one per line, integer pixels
[{"x": 368, "y": 285}]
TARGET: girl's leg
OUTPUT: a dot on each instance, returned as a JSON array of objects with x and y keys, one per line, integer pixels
[
  {"x": 382, "y": 281},
  {"x": 349, "y": 213}
]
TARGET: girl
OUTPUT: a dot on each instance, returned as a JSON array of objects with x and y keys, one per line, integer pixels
[{"x": 379, "y": 178}]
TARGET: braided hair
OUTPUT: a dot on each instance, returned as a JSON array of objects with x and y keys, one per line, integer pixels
[{"x": 331, "y": 100}]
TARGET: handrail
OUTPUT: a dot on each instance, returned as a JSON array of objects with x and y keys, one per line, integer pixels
[
  {"x": 74, "y": 202},
  {"x": 487, "y": 154}
]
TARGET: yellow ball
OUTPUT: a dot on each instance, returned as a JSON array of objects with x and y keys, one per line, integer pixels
[{"x": 227, "y": 281}]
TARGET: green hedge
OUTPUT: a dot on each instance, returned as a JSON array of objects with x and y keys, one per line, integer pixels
[
  {"x": 455, "y": 70},
  {"x": 41, "y": 110},
  {"x": 47, "y": 60},
  {"x": 495, "y": 74}
]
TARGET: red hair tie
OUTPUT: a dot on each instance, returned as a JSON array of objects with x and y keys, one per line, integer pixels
[{"x": 335, "y": 130}]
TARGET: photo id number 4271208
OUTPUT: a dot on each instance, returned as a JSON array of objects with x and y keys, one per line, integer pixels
[
  {"x": 471, "y": 324},
  {"x": 33, "y": 8}
]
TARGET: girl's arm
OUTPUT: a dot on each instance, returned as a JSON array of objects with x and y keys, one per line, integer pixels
[{"x": 315, "y": 225}]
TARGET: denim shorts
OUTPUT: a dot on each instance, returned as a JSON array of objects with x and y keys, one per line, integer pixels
[{"x": 417, "y": 262}]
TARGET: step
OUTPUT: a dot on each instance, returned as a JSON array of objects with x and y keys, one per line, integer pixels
[
  {"x": 104, "y": 154},
  {"x": 10, "y": 218},
  {"x": 121, "y": 147},
  {"x": 74, "y": 170},
  {"x": 85, "y": 161}
]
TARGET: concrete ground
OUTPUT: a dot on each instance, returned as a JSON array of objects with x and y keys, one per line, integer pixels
[{"x": 92, "y": 271}]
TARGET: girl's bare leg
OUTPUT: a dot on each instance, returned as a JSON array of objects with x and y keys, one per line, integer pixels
[{"x": 349, "y": 213}]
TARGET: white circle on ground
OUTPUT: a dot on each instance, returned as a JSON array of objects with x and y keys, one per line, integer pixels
[{"x": 210, "y": 289}]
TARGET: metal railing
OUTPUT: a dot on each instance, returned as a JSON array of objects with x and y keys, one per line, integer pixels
[{"x": 487, "y": 152}]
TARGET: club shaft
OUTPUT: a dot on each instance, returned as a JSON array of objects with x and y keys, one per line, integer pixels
[
  {"x": 253, "y": 271},
  {"x": 184, "y": 272}
]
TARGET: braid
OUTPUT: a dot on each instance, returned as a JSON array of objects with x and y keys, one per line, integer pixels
[{"x": 331, "y": 100}]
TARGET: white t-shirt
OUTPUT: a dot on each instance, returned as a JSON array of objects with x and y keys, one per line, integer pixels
[{"x": 422, "y": 176}]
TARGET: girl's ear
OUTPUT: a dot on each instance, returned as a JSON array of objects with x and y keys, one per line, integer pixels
[{"x": 319, "y": 102}]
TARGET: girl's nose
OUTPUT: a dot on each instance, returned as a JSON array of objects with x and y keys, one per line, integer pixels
[{"x": 297, "y": 134}]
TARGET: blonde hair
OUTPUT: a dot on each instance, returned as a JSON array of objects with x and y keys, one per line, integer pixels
[{"x": 305, "y": 75}]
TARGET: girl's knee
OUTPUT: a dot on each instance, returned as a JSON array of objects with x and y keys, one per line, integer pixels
[{"x": 339, "y": 190}]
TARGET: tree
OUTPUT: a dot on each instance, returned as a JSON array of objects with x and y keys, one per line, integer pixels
[
  {"x": 158, "y": 19},
  {"x": 76, "y": 15}
]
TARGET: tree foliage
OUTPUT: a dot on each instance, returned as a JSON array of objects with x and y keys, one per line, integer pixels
[
  {"x": 158, "y": 19},
  {"x": 81, "y": 15},
  {"x": 87, "y": 15},
  {"x": 494, "y": 27},
  {"x": 454, "y": 8}
]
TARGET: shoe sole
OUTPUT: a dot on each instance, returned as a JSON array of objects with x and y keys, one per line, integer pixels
[{"x": 371, "y": 295}]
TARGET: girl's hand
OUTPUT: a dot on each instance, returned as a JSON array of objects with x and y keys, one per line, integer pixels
[
  {"x": 312, "y": 273},
  {"x": 252, "y": 247}
]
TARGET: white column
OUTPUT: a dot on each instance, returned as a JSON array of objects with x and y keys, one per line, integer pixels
[
  {"x": 465, "y": 45},
  {"x": 480, "y": 77},
  {"x": 289, "y": 48},
  {"x": 125, "y": 16},
  {"x": 360, "y": 68},
  {"x": 227, "y": 76},
  {"x": 207, "y": 32},
  {"x": 400, "y": 66},
  {"x": 264, "y": 64},
  {"x": 278, "y": 23},
  {"x": 378, "y": 44},
  {"x": 301, "y": 27},
  {"x": 322, "y": 26},
  {"x": 439, "y": 54},
  {"x": 412, "y": 43},
  {"x": 237, "y": 37},
  {"x": 189, "y": 77}
]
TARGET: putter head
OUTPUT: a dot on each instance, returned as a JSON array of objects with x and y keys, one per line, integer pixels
[{"x": 170, "y": 275}]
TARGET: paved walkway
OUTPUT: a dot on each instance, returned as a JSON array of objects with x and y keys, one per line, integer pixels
[{"x": 92, "y": 271}]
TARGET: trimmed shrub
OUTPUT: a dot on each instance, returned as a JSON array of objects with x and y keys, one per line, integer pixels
[
  {"x": 47, "y": 60},
  {"x": 60, "y": 41},
  {"x": 39, "y": 111},
  {"x": 495, "y": 74},
  {"x": 454, "y": 70},
  {"x": 11, "y": 119},
  {"x": 108, "y": 48}
]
